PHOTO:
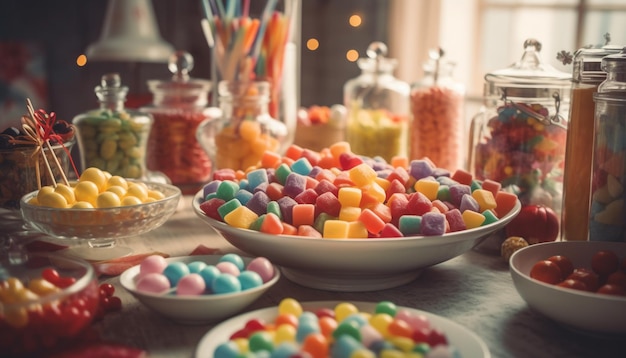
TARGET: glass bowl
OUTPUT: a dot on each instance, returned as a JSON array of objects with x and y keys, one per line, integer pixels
[
  {"x": 100, "y": 227},
  {"x": 37, "y": 316}
]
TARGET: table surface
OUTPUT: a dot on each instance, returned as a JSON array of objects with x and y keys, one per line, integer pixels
[{"x": 474, "y": 290}]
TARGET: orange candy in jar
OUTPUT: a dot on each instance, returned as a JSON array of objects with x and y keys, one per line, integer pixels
[
  {"x": 179, "y": 106},
  {"x": 437, "y": 108},
  {"x": 246, "y": 130}
]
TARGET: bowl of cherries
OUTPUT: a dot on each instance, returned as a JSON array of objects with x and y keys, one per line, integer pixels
[
  {"x": 579, "y": 284},
  {"x": 47, "y": 301}
]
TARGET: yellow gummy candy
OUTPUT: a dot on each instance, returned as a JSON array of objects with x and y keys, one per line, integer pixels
[
  {"x": 349, "y": 213},
  {"x": 357, "y": 230},
  {"x": 427, "y": 187},
  {"x": 472, "y": 219},
  {"x": 362, "y": 174},
  {"x": 335, "y": 229},
  {"x": 241, "y": 217},
  {"x": 349, "y": 196},
  {"x": 485, "y": 199}
]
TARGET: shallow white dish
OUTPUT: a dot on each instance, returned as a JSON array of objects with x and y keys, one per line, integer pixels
[
  {"x": 196, "y": 309},
  {"x": 587, "y": 312},
  {"x": 353, "y": 264},
  {"x": 465, "y": 341}
]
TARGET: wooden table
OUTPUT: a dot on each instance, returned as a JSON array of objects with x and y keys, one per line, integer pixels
[{"x": 474, "y": 290}]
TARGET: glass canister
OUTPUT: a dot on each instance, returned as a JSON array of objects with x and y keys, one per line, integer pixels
[
  {"x": 437, "y": 127},
  {"x": 587, "y": 74},
  {"x": 607, "y": 214},
  {"x": 245, "y": 130},
  {"x": 178, "y": 108},
  {"x": 519, "y": 138},
  {"x": 112, "y": 137},
  {"x": 377, "y": 106}
]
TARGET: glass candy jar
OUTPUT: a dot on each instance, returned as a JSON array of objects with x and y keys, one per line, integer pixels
[
  {"x": 111, "y": 137},
  {"x": 178, "y": 108},
  {"x": 239, "y": 138},
  {"x": 437, "y": 127},
  {"x": 519, "y": 138},
  {"x": 587, "y": 74},
  {"x": 607, "y": 211},
  {"x": 377, "y": 106}
]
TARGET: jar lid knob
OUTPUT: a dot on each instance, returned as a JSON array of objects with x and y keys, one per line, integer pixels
[
  {"x": 376, "y": 50},
  {"x": 110, "y": 88},
  {"x": 180, "y": 64}
]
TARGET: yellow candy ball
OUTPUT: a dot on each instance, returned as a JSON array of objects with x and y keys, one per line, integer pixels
[
  {"x": 44, "y": 190},
  {"x": 94, "y": 175},
  {"x": 108, "y": 200},
  {"x": 42, "y": 287},
  {"x": 82, "y": 205},
  {"x": 118, "y": 190},
  {"x": 53, "y": 200},
  {"x": 86, "y": 191},
  {"x": 155, "y": 194},
  {"x": 67, "y": 192},
  {"x": 130, "y": 200},
  {"x": 290, "y": 306},
  {"x": 117, "y": 180},
  {"x": 138, "y": 190}
]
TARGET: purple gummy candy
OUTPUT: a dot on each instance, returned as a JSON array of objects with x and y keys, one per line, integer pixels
[
  {"x": 258, "y": 203},
  {"x": 469, "y": 203},
  {"x": 420, "y": 169},
  {"x": 433, "y": 224},
  {"x": 211, "y": 187},
  {"x": 261, "y": 187},
  {"x": 457, "y": 191},
  {"x": 286, "y": 205},
  {"x": 294, "y": 184},
  {"x": 441, "y": 172},
  {"x": 383, "y": 173},
  {"x": 315, "y": 171}
]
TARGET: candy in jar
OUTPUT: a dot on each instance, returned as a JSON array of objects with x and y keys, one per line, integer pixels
[
  {"x": 437, "y": 107},
  {"x": 377, "y": 107},
  {"x": 111, "y": 137},
  {"x": 586, "y": 76},
  {"x": 519, "y": 139},
  {"x": 245, "y": 130},
  {"x": 179, "y": 106},
  {"x": 607, "y": 214}
]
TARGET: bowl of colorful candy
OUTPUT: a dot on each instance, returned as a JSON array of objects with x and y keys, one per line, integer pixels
[
  {"x": 343, "y": 222},
  {"x": 98, "y": 209},
  {"x": 46, "y": 300},
  {"x": 579, "y": 284},
  {"x": 341, "y": 329},
  {"x": 199, "y": 289}
]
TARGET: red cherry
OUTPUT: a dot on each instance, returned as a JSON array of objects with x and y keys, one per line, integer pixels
[
  {"x": 65, "y": 282},
  {"x": 51, "y": 275},
  {"x": 107, "y": 289},
  {"x": 114, "y": 304}
]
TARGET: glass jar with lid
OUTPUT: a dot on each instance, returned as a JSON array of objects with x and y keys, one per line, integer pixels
[
  {"x": 519, "y": 138},
  {"x": 607, "y": 212},
  {"x": 245, "y": 131},
  {"x": 437, "y": 128},
  {"x": 377, "y": 106},
  {"x": 587, "y": 74},
  {"x": 113, "y": 138},
  {"x": 179, "y": 106}
]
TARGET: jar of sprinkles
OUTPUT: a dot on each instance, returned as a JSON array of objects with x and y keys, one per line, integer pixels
[
  {"x": 519, "y": 138},
  {"x": 607, "y": 219},
  {"x": 178, "y": 108}
]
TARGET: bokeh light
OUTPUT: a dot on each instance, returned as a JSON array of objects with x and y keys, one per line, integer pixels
[
  {"x": 355, "y": 20},
  {"x": 81, "y": 60},
  {"x": 312, "y": 44},
  {"x": 352, "y": 55}
]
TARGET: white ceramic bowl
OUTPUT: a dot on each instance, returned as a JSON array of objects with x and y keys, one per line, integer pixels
[
  {"x": 587, "y": 312},
  {"x": 353, "y": 264},
  {"x": 196, "y": 309},
  {"x": 464, "y": 340}
]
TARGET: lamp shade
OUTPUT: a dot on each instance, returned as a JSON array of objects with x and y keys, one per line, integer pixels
[{"x": 130, "y": 33}]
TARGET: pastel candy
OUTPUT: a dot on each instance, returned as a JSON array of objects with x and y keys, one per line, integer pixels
[
  {"x": 257, "y": 177},
  {"x": 275, "y": 190},
  {"x": 335, "y": 229},
  {"x": 271, "y": 224},
  {"x": 390, "y": 230},
  {"x": 282, "y": 172},
  {"x": 210, "y": 208},
  {"x": 274, "y": 208},
  {"x": 418, "y": 204},
  {"x": 301, "y": 166},
  {"x": 241, "y": 217},
  {"x": 328, "y": 203},
  {"x": 349, "y": 196},
  {"x": 320, "y": 221},
  {"x": 357, "y": 230},
  {"x": 427, "y": 187},
  {"x": 490, "y": 217},
  {"x": 227, "y": 190},
  {"x": 308, "y": 231},
  {"x": 462, "y": 177},
  {"x": 228, "y": 206},
  {"x": 472, "y": 219},
  {"x": 258, "y": 202},
  {"x": 505, "y": 202},
  {"x": 455, "y": 220},
  {"x": 307, "y": 197},
  {"x": 485, "y": 199},
  {"x": 294, "y": 184},
  {"x": 433, "y": 224},
  {"x": 303, "y": 214},
  {"x": 410, "y": 225},
  {"x": 349, "y": 213},
  {"x": 362, "y": 175},
  {"x": 286, "y": 204},
  {"x": 457, "y": 191},
  {"x": 400, "y": 174},
  {"x": 243, "y": 196},
  {"x": 420, "y": 169},
  {"x": 210, "y": 187},
  {"x": 372, "y": 222},
  {"x": 469, "y": 203},
  {"x": 324, "y": 186}
]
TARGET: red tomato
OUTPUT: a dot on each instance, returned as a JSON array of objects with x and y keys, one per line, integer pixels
[
  {"x": 609, "y": 289},
  {"x": 535, "y": 223},
  {"x": 573, "y": 284},
  {"x": 586, "y": 276},
  {"x": 546, "y": 271},
  {"x": 604, "y": 262},
  {"x": 565, "y": 264},
  {"x": 617, "y": 278}
]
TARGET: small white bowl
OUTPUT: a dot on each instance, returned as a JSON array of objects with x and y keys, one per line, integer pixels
[
  {"x": 587, "y": 312},
  {"x": 196, "y": 309}
]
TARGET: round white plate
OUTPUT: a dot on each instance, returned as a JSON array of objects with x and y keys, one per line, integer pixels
[{"x": 465, "y": 341}]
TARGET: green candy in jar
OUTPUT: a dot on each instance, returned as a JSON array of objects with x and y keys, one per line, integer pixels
[{"x": 113, "y": 138}]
